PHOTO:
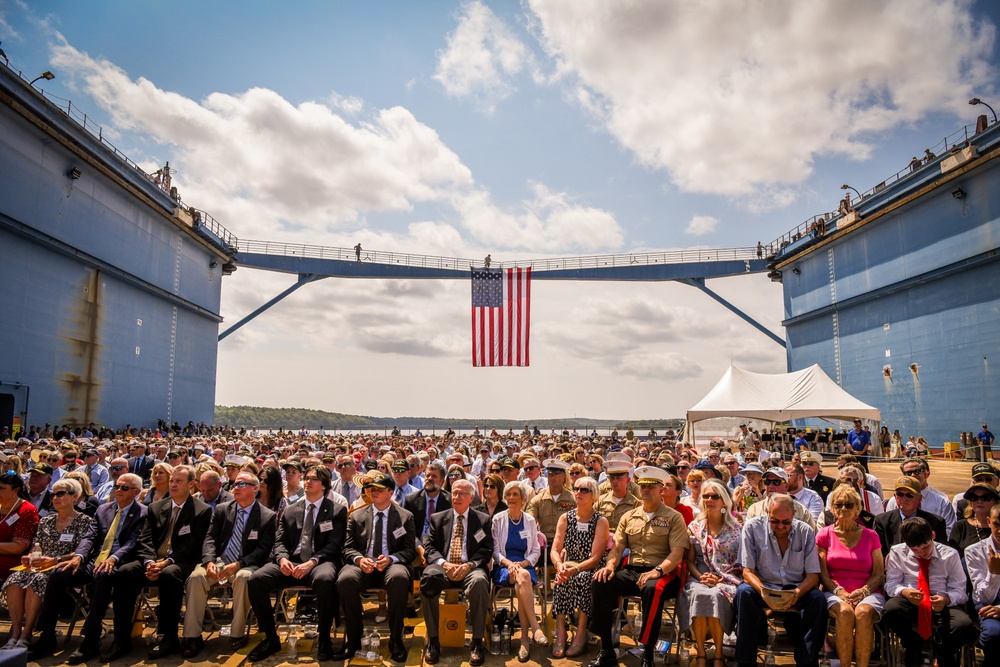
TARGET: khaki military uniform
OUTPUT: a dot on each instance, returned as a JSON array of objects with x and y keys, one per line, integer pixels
[
  {"x": 613, "y": 511},
  {"x": 547, "y": 510},
  {"x": 605, "y": 487},
  {"x": 650, "y": 540}
]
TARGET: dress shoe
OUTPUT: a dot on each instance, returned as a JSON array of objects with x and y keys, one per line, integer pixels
[
  {"x": 239, "y": 642},
  {"x": 118, "y": 650},
  {"x": 325, "y": 651},
  {"x": 604, "y": 659},
  {"x": 433, "y": 652},
  {"x": 83, "y": 654},
  {"x": 478, "y": 654},
  {"x": 167, "y": 646},
  {"x": 398, "y": 651},
  {"x": 44, "y": 647},
  {"x": 346, "y": 652},
  {"x": 266, "y": 648},
  {"x": 193, "y": 647}
]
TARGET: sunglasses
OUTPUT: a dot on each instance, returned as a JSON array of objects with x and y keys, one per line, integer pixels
[
  {"x": 900, "y": 494},
  {"x": 531, "y": 467},
  {"x": 844, "y": 506},
  {"x": 581, "y": 489},
  {"x": 345, "y": 465},
  {"x": 913, "y": 473},
  {"x": 979, "y": 497},
  {"x": 240, "y": 485},
  {"x": 575, "y": 474},
  {"x": 124, "y": 487},
  {"x": 455, "y": 475},
  {"x": 683, "y": 467},
  {"x": 60, "y": 494},
  {"x": 773, "y": 482},
  {"x": 711, "y": 496},
  {"x": 311, "y": 479},
  {"x": 494, "y": 471},
  {"x": 489, "y": 486},
  {"x": 780, "y": 522},
  {"x": 117, "y": 468}
]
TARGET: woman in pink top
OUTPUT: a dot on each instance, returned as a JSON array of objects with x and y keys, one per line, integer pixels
[{"x": 852, "y": 571}]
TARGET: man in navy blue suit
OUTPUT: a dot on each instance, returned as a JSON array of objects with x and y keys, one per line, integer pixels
[{"x": 111, "y": 543}]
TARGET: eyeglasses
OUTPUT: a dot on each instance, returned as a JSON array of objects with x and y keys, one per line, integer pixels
[
  {"x": 60, "y": 494},
  {"x": 844, "y": 506},
  {"x": 711, "y": 496},
  {"x": 581, "y": 489},
  {"x": 117, "y": 468},
  {"x": 900, "y": 494},
  {"x": 683, "y": 467},
  {"x": 494, "y": 471},
  {"x": 124, "y": 487},
  {"x": 531, "y": 467},
  {"x": 979, "y": 497},
  {"x": 575, "y": 474},
  {"x": 345, "y": 465},
  {"x": 455, "y": 475},
  {"x": 489, "y": 486},
  {"x": 240, "y": 485},
  {"x": 780, "y": 522},
  {"x": 773, "y": 482}
]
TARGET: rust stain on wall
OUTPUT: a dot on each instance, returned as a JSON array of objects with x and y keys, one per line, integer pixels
[{"x": 83, "y": 387}]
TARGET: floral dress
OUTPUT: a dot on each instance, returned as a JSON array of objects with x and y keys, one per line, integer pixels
[
  {"x": 53, "y": 544},
  {"x": 718, "y": 555},
  {"x": 575, "y": 592}
]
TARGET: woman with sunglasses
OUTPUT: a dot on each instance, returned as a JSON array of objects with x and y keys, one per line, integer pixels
[
  {"x": 579, "y": 547},
  {"x": 852, "y": 571},
  {"x": 706, "y": 602},
  {"x": 270, "y": 493},
  {"x": 58, "y": 534},
  {"x": 159, "y": 484},
  {"x": 975, "y": 526},
  {"x": 493, "y": 502},
  {"x": 515, "y": 552}
]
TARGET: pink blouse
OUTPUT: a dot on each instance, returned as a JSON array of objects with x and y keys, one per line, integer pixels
[{"x": 849, "y": 568}]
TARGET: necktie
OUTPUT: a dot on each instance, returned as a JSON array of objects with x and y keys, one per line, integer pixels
[
  {"x": 109, "y": 539},
  {"x": 430, "y": 511},
  {"x": 305, "y": 542},
  {"x": 456, "y": 542},
  {"x": 235, "y": 546},
  {"x": 924, "y": 608},
  {"x": 164, "y": 549},
  {"x": 377, "y": 549}
]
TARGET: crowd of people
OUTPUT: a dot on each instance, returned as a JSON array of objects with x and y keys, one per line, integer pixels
[{"x": 735, "y": 533}]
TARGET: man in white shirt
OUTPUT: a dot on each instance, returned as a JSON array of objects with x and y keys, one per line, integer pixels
[
  {"x": 812, "y": 500},
  {"x": 983, "y": 563},
  {"x": 932, "y": 500}
]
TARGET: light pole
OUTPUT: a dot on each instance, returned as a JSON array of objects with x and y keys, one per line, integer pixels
[
  {"x": 845, "y": 186},
  {"x": 975, "y": 100},
  {"x": 47, "y": 75}
]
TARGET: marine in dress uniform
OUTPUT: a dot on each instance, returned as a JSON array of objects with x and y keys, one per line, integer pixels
[{"x": 611, "y": 505}]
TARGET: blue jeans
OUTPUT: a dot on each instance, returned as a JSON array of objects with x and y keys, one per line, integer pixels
[
  {"x": 989, "y": 640},
  {"x": 805, "y": 624}
]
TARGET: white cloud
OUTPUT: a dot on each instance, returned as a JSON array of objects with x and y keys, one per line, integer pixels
[
  {"x": 701, "y": 225},
  {"x": 730, "y": 98},
  {"x": 482, "y": 58}
]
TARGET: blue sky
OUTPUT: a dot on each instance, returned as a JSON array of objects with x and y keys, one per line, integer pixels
[{"x": 540, "y": 128}]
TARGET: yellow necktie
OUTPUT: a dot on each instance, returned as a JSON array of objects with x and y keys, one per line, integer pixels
[{"x": 109, "y": 539}]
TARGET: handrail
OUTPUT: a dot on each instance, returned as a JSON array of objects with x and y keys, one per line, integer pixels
[{"x": 459, "y": 264}]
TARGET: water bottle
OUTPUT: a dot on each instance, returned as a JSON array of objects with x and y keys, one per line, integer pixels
[
  {"x": 825, "y": 662},
  {"x": 366, "y": 642},
  {"x": 769, "y": 659},
  {"x": 34, "y": 558},
  {"x": 293, "y": 640},
  {"x": 375, "y": 646},
  {"x": 505, "y": 640},
  {"x": 218, "y": 568},
  {"x": 495, "y": 640}
]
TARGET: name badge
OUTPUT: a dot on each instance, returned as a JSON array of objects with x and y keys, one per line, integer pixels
[
  {"x": 325, "y": 526},
  {"x": 185, "y": 530},
  {"x": 399, "y": 532},
  {"x": 582, "y": 527},
  {"x": 523, "y": 534},
  {"x": 12, "y": 519},
  {"x": 252, "y": 535},
  {"x": 66, "y": 537},
  {"x": 479, "y": 536}
]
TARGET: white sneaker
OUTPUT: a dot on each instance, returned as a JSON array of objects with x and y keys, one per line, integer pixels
[
  {"x": 21, "y": 643},
  {"x": 11, "y": 644}
]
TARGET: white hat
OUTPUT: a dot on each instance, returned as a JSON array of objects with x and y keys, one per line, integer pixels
[
  {"x": 555, "y": 464},
  {"x": 651, "y": 475},
  {"x": 617, "y": 466},
  {"x": 619, "y": 456},
  {"x": 233, "y": 459},
  {"x": 778, "y": 472}
]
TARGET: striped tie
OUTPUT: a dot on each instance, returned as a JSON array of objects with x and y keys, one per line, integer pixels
[{"x": 235, "y": 546}]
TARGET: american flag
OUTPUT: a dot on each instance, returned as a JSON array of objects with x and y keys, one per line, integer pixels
[{"x": 501, "y": 313}]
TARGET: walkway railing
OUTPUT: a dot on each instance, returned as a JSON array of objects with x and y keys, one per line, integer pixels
[{"x": 459, "y": 264}]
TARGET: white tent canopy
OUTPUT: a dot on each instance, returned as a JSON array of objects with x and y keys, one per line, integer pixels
[{"x": 809, "y": 392}]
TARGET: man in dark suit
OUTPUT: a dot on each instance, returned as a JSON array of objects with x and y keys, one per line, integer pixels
[
  {"x": 429, "y": 500},
  {"x": 239, "y": 539},
  {"x": 458, "y": 548},
  {"x": 211, "y": 491},
  {"x": 141, "y": 464},
  {"x": 111, "y": 542},
  {"x": 378, "y": 553},
  {"x": 169, "y": 549},
  {"x": 907, "y": 494},
  {"x": 814, "y": 479},
  {"x": 307, "y": 551}
]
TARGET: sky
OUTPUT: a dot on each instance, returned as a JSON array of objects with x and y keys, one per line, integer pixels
[{"x": 545, "y": 128}]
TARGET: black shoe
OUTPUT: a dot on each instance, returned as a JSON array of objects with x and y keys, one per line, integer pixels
[
  {"x": 167, "y": 646},
  {"x": 604, "y": 659},
  {"x": 44, "y": 647},
  {"x": 193, "y": 647},
  {"x": 478, "y": 654},
  {"x": 266, "y": 648},
  {"x": 647, "y": 662},
  {"x": 83, "y": 654},
  {"x": 398, "y": 651},
  {"x": 325, "y": 651},
  {"x": 239, "y": 642},
  {"x": 346, "y": 652},
  {"x": 433, "y": 652},
  {"x": 118, "y": 650}
]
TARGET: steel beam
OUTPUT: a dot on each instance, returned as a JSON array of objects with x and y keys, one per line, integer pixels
[
  {"x": 700, "y": 284},
  {"x": 304, "y": 279}
]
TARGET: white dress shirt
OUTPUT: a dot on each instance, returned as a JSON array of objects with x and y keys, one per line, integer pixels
[
  {"x": 946, "y": 574},
  {"x": 985, "y": 585}
]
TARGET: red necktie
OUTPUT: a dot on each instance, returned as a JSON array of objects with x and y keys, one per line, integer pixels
[{"x": 924, "y": 608}]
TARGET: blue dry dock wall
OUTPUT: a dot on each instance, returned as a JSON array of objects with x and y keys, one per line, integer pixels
[
  {"x": 917, "y": 294},
  {"x": 109, "y": 306}
]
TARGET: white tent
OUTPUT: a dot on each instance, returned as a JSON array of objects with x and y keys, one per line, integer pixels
[{"x": 809, "y": 392}]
